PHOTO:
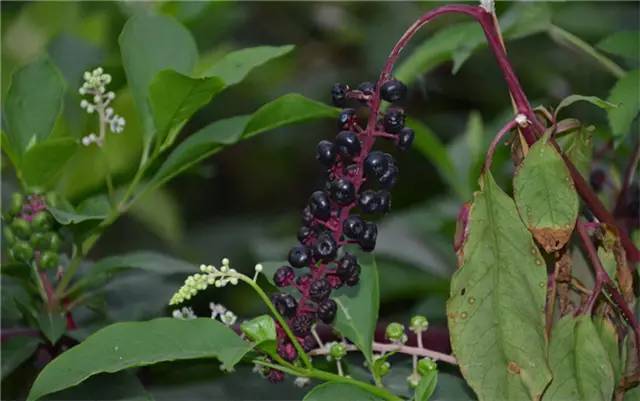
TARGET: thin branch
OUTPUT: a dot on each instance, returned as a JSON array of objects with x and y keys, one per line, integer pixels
[
  {"x": 496, "y": 140},
  {"x": 403, "y": 349}
]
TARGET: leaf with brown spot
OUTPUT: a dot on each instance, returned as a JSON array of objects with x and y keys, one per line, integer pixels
[{"x": 545, "y": 196}]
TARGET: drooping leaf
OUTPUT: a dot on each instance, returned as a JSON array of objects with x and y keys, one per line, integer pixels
[
  {"x": 52, "y": 325},
  {"x": 339, "y": 392},
  {"x": 579, "y": 362},
  {"x": 578, "y": 147},
  {"x": 174, "y": 98},
  {"x": 624, "y": 44},
  {"x": 609, "y": 339},
  {"x": 120, "y": 386},
  {"x": 42, "y": 162},
  {"x": 426, "y": 386},
  {"x": 497, "y": 298},
  {"x": 596, "y": 101},
  {"x": 33, "y": 103},
  {"x": 15, "y": 351},
  {"x": 358, "y": 308},
  {"x": 94, "y": 208},
  {"x": 545, "y": 195},
  {"x": 262, "y": 331},
  {"x": 148, "y": 45},
  {"x": 625, "y": 95},
  {"x": 126, "y": 345},
  {"x": 236, "y": 65}
]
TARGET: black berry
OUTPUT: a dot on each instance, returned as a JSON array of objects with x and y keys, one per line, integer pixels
[
  {"x": 325, "y": 153},
  {"x": 307, "y": 216},
  {"x": 309, "y": 343},
  {"x": 405, "y": 138},
  {"x": 353, "y": 227},
  {"x": 304, "y": 233},
  {"x": 287, "y": 351},
  {"x": 354, "y": 279},
  {"x": 343, "y": 191},
  {"x": 368, "y": 88},
  {"x": 376, "y": 163},
  {"x": 327, "y": 310},
  {"x": 390, "y": 177},
  {"x": 284, "y": 276},
  {"x": 346, "y": 118},
  {"x": 384, "y": 200},
  {"x": 285, "y": 304},
  {"x": 339, "y": 94},
  {"x": 325, "y": 248},
  {"x": 320, "y": 290},
  {"x": 347, "y": 265},
  {"x": 301, "y": 324},
  {"x": 368, "y": 240},
  {"x": 348, "y": 144},
  {"x": 275, "y": 376},
  {"x": 299, "y": 256},
  {"x": 369, "y": 202},
  {"x": 393, "y": 90},
  {"x": 393, "y": 120},
  {"x": 319, "y": 205}
]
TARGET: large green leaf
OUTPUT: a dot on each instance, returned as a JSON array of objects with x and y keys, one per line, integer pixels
[
  {"x": 545, "y": 195},
  {"x": 174, "y": 98},
  {"x": 94, "y": 208},
  {"x": 126, "y": 345},
  {"x": 235, "y": 66},
  {"x": 120, "y": 386},
  {"x": 579, "y": 362},
  {"x": 625, "y": 95},
  {"x": 33, "y": 103},
  {"x": 497, "y": 298},
  {"x": 15, "y": 351},
  {"x": 339, "y": 392},
  {"x": 52, "y": 325},
  {"x": 594, "y": 100},
  {"x": 623, "y": 43},
  {"x": 43, "y": 162},
  {"x": 358, "y": 308},
  {"x": 148, "y": 45}
]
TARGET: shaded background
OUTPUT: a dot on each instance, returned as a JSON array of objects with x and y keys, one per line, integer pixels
[{"x": 244, "y": 203}]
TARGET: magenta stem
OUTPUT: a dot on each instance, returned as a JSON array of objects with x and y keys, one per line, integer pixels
[{"x": 496, "y": 140}]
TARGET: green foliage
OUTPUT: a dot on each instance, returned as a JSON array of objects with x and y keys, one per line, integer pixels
[
  {"x": 126, "y": 345},
  {"x": 236, "y": 65},
  {"x": 52, "y": 325},
  {"x": 339, "y": 392},
  {"x": 578, "y": 147},
  {"x": 624, "y": 44},
  {"x": 426, "y": 386},
  {"x": 625, "y": 95},
  {"x": 15, "y": 351},
  {"x": 42, "y": 163},
  {"x": 497, "y": 334}
]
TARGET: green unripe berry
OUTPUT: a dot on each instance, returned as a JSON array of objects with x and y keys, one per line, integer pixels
[
  {"x": 426, "y": 366},
  {"x": 337, "y": 351},
  {"x": 395, "y": 332},
  {"x": 381, "y": 367},
  {"x": 22, "y": 251},
  {"x": 9, "y": 236},
  {"x": 41, "y": 221},
  {"x": 419, "y": 323},
  {"x": 49, "y": 260},
  {"x": 413, "y": 380},
  {"x": 38, "y": 240},
  {"x": 53, "y": 242},
  {"x": 21, "y": 228},
  {"x": 17, "y": 200}
]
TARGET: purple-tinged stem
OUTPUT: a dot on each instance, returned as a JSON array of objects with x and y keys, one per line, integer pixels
[{"x": 494, "y": 144}]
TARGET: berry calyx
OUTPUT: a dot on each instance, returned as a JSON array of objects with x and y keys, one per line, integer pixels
[
  {"x": 284, "y": 276},
  {"x": 393, "y": 90},
  {"x": 320, "y": 206},
  {"x": 393, "y": 120},
  {"x": 405, "y": 138},
  {"x": 347, "y": 144},
  {"x": 353, "y": 227},
  {"x": 299, "y": 256},
  {"x": 327, "y": 310}
]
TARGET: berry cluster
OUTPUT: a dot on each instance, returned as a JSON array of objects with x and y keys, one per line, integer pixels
[
  {"x": 358, "y": 179},
  {"x": 29, "y": 232}
]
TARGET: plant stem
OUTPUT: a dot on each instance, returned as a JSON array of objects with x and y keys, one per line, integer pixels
[
  {"x": 629, "y": 174},
  {"x": 494, "y": 144},
  {"x": 403, "y": 349}
]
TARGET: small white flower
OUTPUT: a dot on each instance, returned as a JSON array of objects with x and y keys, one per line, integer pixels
[
  {"x": 228, "y": 318},
  {"x": 258, "y": 268},
  {"x": 301, "y": 381},
  {"x": 216, "y": 310}
]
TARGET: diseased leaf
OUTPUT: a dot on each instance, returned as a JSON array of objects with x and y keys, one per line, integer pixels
[
  {"x": 545, "y": 195},
  {"x": 624, "y": 44},
  {"x": 236, "y": 65},
  {"x": 339, "y": 392},
  {"x": 126, "y": 345},
  {"x": 496, "y": 307},
  {"x": 625, "y": 95},
  {"x": 579, "y": 363},
  {"x": 43, "y": 162},
  {"x": 358, "y": 308},
  {"x": 15, "y": 351}
]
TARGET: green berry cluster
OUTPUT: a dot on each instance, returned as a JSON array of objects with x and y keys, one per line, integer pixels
[{"x": 29, "y": 231}]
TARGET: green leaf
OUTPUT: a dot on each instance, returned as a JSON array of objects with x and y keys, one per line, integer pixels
[
  {"x": 126, "y": 345},
  {"x": 339, "y": 392},
  {"x": 624, "y": 44},
  {"x": 120, "y": 386},
  {"x": 596, "y": 101},
  {"x": 15, "y": 351},
  {"x": 9, "y": 149},
  {"x": 625, "y": 95},
  {"x": 52, "y": 325},
  {"x": 148, "y": 45},
  {"x": 288, "y": 109},
  {"x": 43, "y": 162},
  {"x": 174, "y": 98},
  {"x": 94, "y": 208},
  {"x": 358, "y": 308},
  {"x": 236, "y": 65},
  {"x": 578, "y": 147},
  {"x": 426, "y": 386},
  {"x": 262, "y": 331},
  {"x": 579, "y": 362},
  {"x": 609, "y": 339},
  {"x": 160, "y": 213},
  {"x": 496, "y": 307},
  {"x": 545, "y": 195},
  {"x": 33, "y": 103}
]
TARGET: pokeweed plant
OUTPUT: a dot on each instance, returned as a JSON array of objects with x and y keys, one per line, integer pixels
[{"x": 522, "y": 324}]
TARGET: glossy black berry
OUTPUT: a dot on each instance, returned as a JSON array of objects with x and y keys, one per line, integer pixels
[
  {"x": 347, "y": 265},
  {"x": 368, "y": 88},
  {"x": 339, "y": 94},
  {"x": 285, "y": 304},
  {"x": 304, "y": 233},
  {"x": 376, "y": 163},
  {"x": 343, "y": 191},
  {"x": 287, "y": 351},
  {"x": 327, "y": 310},
  {"x": 325, "y": 153},
  {"x": 284, "y": 276},
  {"x": 393, "y": 90},
  {"x": 325, "y": 248},
  {"x": 405, "y": 138},
  {"x": 384, "y": 200},
  {"x": 346, "y": 117},
  {"x": 353, "y": 279},
  {"x": 369, "y": 202},
  {"x": 393, "y": 120},
  {"x": 307, "y": 216},
  {"x": 309, "y": 343},
  {"x": 299, "y": 256},
  {"x": 319, "y": 290},
  {"x": 301, "y": 324},
  {"x": 353, "y": 227},
  {"x": 319, "y": 205},
  {"x": 368, "y": 240},
  {"x": 390, "y": 177},
  {"x": 348, "y": 144}
]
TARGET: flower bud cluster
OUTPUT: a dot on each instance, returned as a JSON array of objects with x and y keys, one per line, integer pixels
[
  {"x": 95, "y": 86},
  {"x": 209, "y": 275}
]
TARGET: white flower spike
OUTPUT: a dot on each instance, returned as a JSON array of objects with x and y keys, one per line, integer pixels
[{"x": 95, "y": 86}]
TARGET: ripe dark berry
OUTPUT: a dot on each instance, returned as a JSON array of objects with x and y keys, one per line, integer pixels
[
  {"x": 348, "y": 144},
  {"x": 307, "y": 216},
  {"x": 405, "y": 138},
  {"x": 368, "y": 240},
  {"x": 393, "y": 90},
  {"x": 275, "y": 376},
  {"x": 346, "y": 117},
  {"x": 385, "y": 201},
  {"x": 287, "y": 351},
  {"x": 325, "y": 248},
  {"x": 343, "y": 191},
  {"x": 368, "y": 88},
  {"x": 354, "y": 279},
  {"x": 339, "y": 94},
  {"x": 304, "y": 233},
  {"x": 327, "y": 310},
  {"x": 390, "y": 177},
  {"x": 309, "y": 343},
  {"x": 347, "y": 265},
  {"x": 368, "y": 201},
  {"x": 393, "y": 120},
  {"x": 284, "y": 276},
  {"x": 376, "y": 163},
  {"x": 285, "y": 304},
  {"x": 325, "y": 153},
  {"x": 299, "y": 256},
  {"x": 319, "y": 205},
  {"x": 353, "y": 227},
  {"x": 320, "y": 290},
  {"x": 301, "y": 324}
]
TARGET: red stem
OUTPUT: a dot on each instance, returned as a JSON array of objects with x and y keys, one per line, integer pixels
[{"x": 496, "y": 140}]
